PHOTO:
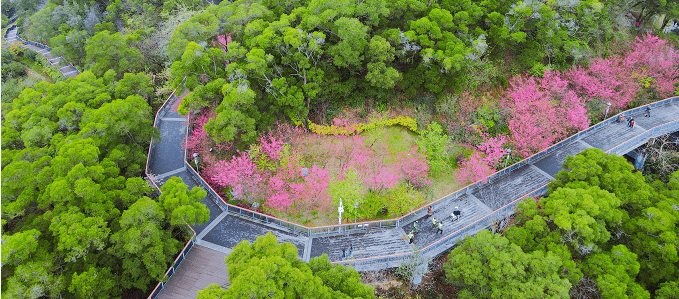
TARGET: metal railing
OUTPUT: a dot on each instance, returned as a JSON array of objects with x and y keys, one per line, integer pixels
[
  {"x": 420, "y": 212},
  {"x": 177, "y": 262},
  {"x": 39, "y": 45},
  {"x": 192, "y": 241},
  {"x": 443, "y": 244},
  {"x": 8, "y": 30}
]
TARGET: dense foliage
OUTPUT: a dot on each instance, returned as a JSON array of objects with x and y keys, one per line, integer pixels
[
  {"x": 602, "y": 230},
  {"x": 76, "y": 217},
  {"x": 267, "y": 269},
  {"x": 285, "y": 58}
]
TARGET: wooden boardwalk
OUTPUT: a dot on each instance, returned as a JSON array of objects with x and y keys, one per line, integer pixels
[{"x": 202, "y": 267}]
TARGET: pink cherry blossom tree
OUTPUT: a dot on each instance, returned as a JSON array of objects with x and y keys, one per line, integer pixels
[
  {"x": 473, "y": 169},
  {"x": 542, "y": 111},
  {"x": 270, "y": 146},
  {"x": 415, "y": 168},
  {"x": 651, "y": 56},
  {"x": 241, "y": 175}
]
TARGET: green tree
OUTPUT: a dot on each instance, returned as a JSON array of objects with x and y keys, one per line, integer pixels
[
  {"x": 434, "y": 144},
  {"x": 69, "y": 177},
  {"x": 615, "y": 272},
  {"x": 489, "y": 266},
  {"x": 142, "y": 244},
  {"x": 93, "y": 283},
  {"x": 107, "y": 50},
  {"x": 584, "y": 214},
  {"x": 267, "y": 269},
  {"x": 608, "y": 172},
  {"x": 135, "y": 84},
  {"x": 181, "y": 205},
  {"x": 236, "y": 116}
]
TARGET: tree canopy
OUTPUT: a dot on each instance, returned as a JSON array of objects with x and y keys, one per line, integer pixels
[
  {"x": 77, "y": 219},
  {"x": 610, "y": 227},
  {"x": 281, "y": 60},
  {"x": 268, "y": 269}
]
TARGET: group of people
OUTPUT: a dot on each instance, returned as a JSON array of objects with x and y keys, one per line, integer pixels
[
  {"x": 344, "y": 251},
  {"x": 436, "y": 225},
  {"x": 630, "y": 121}
]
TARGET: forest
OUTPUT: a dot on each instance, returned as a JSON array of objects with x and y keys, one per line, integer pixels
[{"x": 387, "y": 104}]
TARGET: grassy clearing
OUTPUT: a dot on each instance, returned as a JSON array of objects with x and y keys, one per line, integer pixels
[{"x": 335, "y": 154}]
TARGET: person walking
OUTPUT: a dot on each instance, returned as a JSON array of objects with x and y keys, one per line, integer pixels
[
  {"x": 631, "y": 123},
  {"x": 411, "y": 236},
  {"x": 440, "y": 228},
  {"x": 456, "y": 214},
  {"x": 416, "y": 226},
  {"x": 430, "y": 211},
  {"x": 648, "y": 112},
  {"x": 433, "y": 223},
  {"x": 351, "y": 248}
]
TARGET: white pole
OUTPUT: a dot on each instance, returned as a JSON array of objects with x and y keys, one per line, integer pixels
[{"x": 340, "y": 209}]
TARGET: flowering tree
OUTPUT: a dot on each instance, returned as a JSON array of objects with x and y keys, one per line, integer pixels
[
  {"x": 606, "y": 80},
  {"x": 493, "y": 149},
  {"x": 270, "y": 146},
  {"x": 240, "y": 174},
  {"x": 473, "y": 169},
  {"x": 375, "y": 173},
  {"x": 543, "y": 110},
  {"x": 222, "y": 41},
  {"x": 283, "y": 189},
  {"x": 479, "y": 167},
  {"x": 653, "y": 57},
  {"x": 313, "y": 192},
  {"x": 415, "y": 169}
]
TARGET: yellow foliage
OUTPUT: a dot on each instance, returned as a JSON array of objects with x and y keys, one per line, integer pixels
[{"x": 404, "y": 121}]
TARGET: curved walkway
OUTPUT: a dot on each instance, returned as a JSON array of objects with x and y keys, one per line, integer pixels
[
  {"x": 380, "y": 248},
  {"x": 68, "y": 70},
  {"x": 374, "y": 248}
]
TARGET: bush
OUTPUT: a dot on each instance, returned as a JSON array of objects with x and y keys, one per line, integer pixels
[
  {"x": 12, "y": 70},
  {"x": 343, "y": 128}
]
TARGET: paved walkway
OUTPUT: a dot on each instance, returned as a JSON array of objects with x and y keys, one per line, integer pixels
[
  {"x": 224, "y": 230},
  {"x": 204, "y": 264},
  {"x": 66, "y": 69},
  {"x": 202, "y": 267}
]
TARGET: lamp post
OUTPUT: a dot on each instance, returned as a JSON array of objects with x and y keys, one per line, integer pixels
[
  {"x": 355, "y": 210},
  {"x": 509, "y": 152},
  {"x": 608, "y": 105},
  {"x": 340, "y": 209},
  {"x": 195, "y": 159}
]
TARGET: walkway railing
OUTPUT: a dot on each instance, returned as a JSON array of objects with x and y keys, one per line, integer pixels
[
  {"x": 420, "y": 212},
  {"x": 448, "y": 241},
  {"x": 178, "y": 261},
  {"x": 39, "y": 45},
  {"x": 192, "y": 241}
]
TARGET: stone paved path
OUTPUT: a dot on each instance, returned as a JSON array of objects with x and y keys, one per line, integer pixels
[{"x": 64, "y": 67}]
